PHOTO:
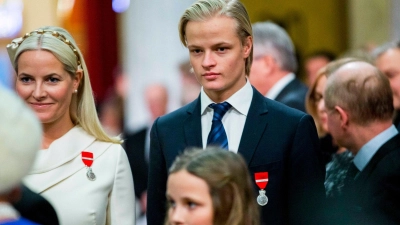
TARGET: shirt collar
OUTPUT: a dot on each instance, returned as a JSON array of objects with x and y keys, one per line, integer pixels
[
  {"x": 371, "y": 147},
  {"x": 240, "y": 100},
  {"x": 278, "y": 86}
]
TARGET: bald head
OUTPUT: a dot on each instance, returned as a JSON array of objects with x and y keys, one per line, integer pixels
[
  {"x": 355, "y": 72},
  {"x": 359, "y": 88},
  {"x": 356, "y": 69},
  {"x": 157, "y": 100}
]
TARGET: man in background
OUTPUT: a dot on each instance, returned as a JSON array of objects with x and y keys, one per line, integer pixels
[
  {"x": 137, "y": 144},
  {"x": 314, "y": 62},
  {"x": 359, "y": 106},
  {"x": 387, "y": 59},
  {"x": 274, "y": 65}
]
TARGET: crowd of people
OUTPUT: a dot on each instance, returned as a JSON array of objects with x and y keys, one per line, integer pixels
[{"x": 255, "y": 146}]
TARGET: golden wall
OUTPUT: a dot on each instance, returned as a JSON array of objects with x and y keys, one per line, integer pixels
[{"x": 312, "y": 24}]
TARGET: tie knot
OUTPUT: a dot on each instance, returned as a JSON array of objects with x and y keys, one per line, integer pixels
[{"x": 220, "y": 109}]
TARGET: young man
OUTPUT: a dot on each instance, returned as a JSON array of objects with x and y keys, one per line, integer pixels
[
  {"x": 278, "y": 143},
  {"x": 359, "y": 106}
]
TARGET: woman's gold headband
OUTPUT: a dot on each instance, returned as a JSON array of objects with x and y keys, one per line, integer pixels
[{"x": 13, "y": 46}]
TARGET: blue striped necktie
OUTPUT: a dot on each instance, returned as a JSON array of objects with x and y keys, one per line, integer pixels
[{"x": 217, "y": 135}]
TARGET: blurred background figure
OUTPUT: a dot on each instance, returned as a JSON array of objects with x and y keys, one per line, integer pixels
[
  {"x": 111, "y": 115},
  {"x": 314, "y": 62},
  {"x": 137, "y": 144},
  {"x": 312, "y": 27},
  {"x": 387, "y": 59},
  {"x": 274, "y": 65},
  {"x": 20, "y": 139},
  {"x": 216, "y": 183},
  {"x": 112, "y": 109},
  {"x": 334, "y": 158},
  {"x": 190, "y": 86}
]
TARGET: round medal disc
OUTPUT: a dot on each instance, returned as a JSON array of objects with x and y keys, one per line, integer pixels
[
  {"x": 90, "y": 175},
  {"x": 262, "y": 199}
]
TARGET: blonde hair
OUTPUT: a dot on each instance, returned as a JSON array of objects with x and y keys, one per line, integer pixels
[
  {"x": 204, "y": 9},
  {"x": 228, "y": 180},
  {"x": 311, "y": 101},
  {"x": 61, "y": 44}
]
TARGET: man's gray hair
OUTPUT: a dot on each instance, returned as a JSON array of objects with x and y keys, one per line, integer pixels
[
  {"x": 384, "y": 48},
  {"x": 271, "y": 39}
]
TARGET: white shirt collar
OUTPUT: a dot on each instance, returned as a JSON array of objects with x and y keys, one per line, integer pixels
[
  {"x": 240, "y": 100},
  {"x": 371, "y": 147},
  {"x": 278, "y": 86}
]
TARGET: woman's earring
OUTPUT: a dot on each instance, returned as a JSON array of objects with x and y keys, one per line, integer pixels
[{"x": 76, "y": 91}]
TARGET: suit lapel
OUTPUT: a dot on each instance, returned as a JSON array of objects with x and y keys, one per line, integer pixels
[
  {"x": 192, "y": 124},
  {"x": 254, "y": 126},
  {"x": 287, "y": 89}
]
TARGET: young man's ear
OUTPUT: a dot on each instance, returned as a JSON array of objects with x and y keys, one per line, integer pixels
[{"x": 247, "y": 45}]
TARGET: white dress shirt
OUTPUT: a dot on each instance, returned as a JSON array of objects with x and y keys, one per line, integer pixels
[
  {"x": 371, "y": 147},
  {"x": 278, "y": 86},
  {"x": 233, "y": 120}
]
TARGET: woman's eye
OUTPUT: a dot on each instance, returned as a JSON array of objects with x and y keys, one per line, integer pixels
[
  {"x": 25, "y": 79},
  {"x": 318, "y": 97},
  {"x": 222, "y": 49},
  {"x": 53, "y": 80}
]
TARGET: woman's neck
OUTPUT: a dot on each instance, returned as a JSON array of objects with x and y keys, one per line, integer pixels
[{"x": 54, "y": 131}]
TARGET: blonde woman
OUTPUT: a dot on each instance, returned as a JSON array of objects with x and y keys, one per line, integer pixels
[
  {"x": 84, "y": 173},
  {"x": 336, "y": 159}
]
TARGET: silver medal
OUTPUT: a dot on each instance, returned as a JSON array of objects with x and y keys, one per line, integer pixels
[
  {"x": 90, "y": 175},
  {"x": 262, "y": 199}
]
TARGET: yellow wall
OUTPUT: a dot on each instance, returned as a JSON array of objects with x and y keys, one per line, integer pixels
[
  {"x": 312, "y": 24},
  {"x": 369, "y": 22}
]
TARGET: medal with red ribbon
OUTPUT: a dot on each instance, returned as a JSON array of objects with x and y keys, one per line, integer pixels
[
  {"x": 87, "y": 158},
  {"x": 261, "y": 179}
]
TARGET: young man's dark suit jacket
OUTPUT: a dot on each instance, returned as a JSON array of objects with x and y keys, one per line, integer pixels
[
  {"x": 294, "y": 95},
  {"x": 374, "y": 196},
  {"x": 276, "y": 139}
]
